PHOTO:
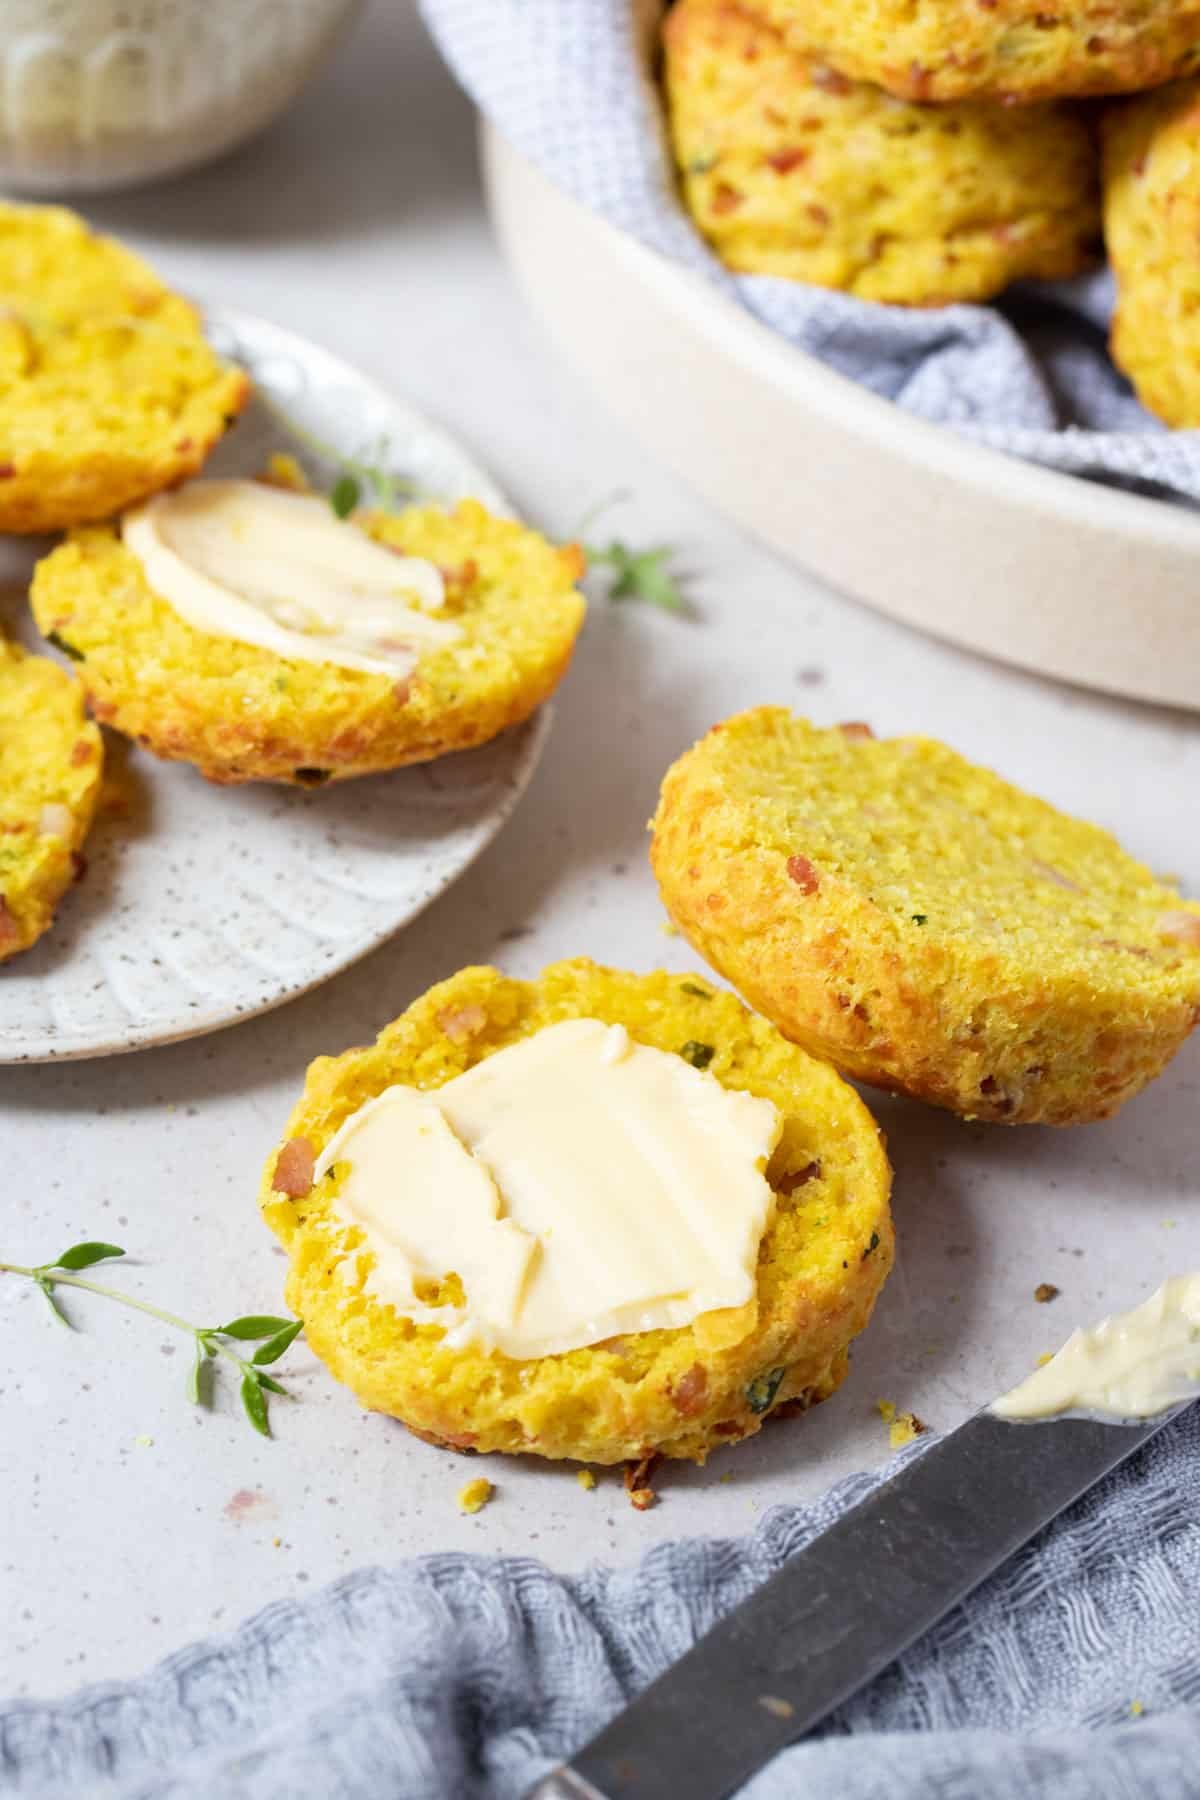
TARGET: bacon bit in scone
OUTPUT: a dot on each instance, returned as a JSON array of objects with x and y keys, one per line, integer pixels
[
  {"x": 729, "y": 1428},
  {"x": 1181, "y": 928},
  {"x": 185, "y": 444},
  {"x": 1049, "y": 873},
  {"x": 857, "y": 730},
  {"x": 799, "y": 1178},
  {"x": 725, "y": 199},
  {"x": 801, "y": 871},
  {"x": 784, "y": 161},
  {"x": 637, "y": 1483},
  {"x": 461, "y": 1023},
  {"x": 294, "y": 1169},
  {"x": 79, "y": 865},
  {"x": 81, "y": 753},
  {"x": 1046, "y": 1290},
  {"x": 830, "y": 81},
  {"x": 1129, "y": 949},
  {"x": 461, "y": 575},
  {"x": 402, "y": 690},
  {"x": 8, "y": 925},
  {"x": 7, "y": 471},
  {"x": 574, "y": 561},
  {"x": 691, "y": 1391}
]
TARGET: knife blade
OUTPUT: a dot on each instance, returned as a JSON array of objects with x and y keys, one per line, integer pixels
[{"x": 844, "y": 1607}]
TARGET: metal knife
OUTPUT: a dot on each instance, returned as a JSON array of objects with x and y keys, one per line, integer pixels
[{"x": 843, "y": 1608}]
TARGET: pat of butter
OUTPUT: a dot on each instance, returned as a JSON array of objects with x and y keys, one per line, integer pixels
[
  {"x": 1133, "y": 1366},
  {"x": 579, "y": 1185},
  {"x": 278, "y": 570}
]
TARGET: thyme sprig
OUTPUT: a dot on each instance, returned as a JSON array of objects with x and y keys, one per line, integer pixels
[
  {"x": 272, "y": 1335},
  {"x": 642, "y": 575},
  {"x": 366, "y": 478}
]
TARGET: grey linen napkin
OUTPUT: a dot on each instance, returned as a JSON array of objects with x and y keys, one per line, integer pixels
[
  {"x": 456, "y": 1677},
  {"x": 563, "y": 81}
]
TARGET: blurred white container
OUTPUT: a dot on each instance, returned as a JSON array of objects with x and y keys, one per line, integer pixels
[{"x": 107, "y": 93}]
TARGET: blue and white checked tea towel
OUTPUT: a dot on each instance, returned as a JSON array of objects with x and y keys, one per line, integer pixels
[{"x": 563, "y": 81}]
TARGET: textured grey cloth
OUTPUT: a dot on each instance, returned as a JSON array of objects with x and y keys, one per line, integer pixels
[
  {"x": 565, "y": 83},
  {"x": 457, "y": 1677}
]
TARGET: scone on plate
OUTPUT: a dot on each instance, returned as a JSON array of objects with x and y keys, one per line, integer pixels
[
  {"x": 250, "y": 631},
  {"x": 51, "y": 762},
  {"x": 597, "y": 1216},
  {"x": 1001, "y": 50},
  {"x": 791, "y": 170},
  {"x": 1152, "y": 224},
  {"x": 923, "y": 924},
  {"x": 108, "y": 389}
]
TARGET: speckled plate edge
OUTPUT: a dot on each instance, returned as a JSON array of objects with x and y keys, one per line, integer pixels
[{"x": 446, "y": 472}]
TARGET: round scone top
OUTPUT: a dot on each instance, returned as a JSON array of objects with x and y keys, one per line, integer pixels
[
  {"x": 108, "y": 389},
  {"x": 680, "y": 1392},
  {"x": 791, "y": 171},
  {"x": 51, "y": 761},
  {"x": 1152, "y": 226},
  {"x": 241, "y": 712},
  {"x": 924, "y": 924},
  {"x": 997, "y": 50}
]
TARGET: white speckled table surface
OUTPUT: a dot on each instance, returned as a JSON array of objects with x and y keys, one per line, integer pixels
[{"x": 133, "y": 1522}]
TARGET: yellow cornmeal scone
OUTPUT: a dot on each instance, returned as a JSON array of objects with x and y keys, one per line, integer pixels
[
  {"x": 923, "y": 924},
  {"x": 51, "y": 761},
  {"x": 1152, "y": 222},
  {"x": 1002, "y": 50},
  {"x": 790, "y": 171},
  {"x": 108, "y": 390},
  {"x": 241, "y": 713},
  {"x": 680, "y": 1393}
]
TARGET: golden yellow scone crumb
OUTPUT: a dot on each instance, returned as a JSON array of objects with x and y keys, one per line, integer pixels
[
  {"x": 284, "y": 471},
  {"x": 924, "y": 924},
  {"x": 475, "y": 1496},
  {"x": 791, "y": 172},
  {"x": 681, "y": 1392},
  {"x": 1152, "y": 225},
  {"x": 51, "y": 768},
  {"x": 245, "y": 714},
  {"x": 1136, "y": 1708},
  {"x": 903, "y": 1427},
  {"x": 108, "y": 389},
  {"x": 997, "y": 49},
  {"x": 586, "y": 1479}
]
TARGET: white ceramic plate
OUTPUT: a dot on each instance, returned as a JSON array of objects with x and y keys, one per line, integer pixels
[
  {"x": 1023, "y": 563},
  {"x": 205, "y": 905}
]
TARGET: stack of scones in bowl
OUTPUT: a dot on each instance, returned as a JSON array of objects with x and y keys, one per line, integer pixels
[{"x": 926, "y": 155}]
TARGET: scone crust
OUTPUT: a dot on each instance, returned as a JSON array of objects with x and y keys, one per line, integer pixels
[
  {"x": 51, "y": 756},
  {"x": 1004, "y": 50},
  {"x": 108, "y": 389},
  {"x": 1152, "y": 223},
  {"x": 678, "y": 1393},
  {"x": 792, "y": 171},
  {"x": 244, "y": 714},
  {"x": 923, "y": 924}
]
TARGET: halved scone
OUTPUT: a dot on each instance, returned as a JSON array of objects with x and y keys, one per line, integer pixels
[
  {"x": 820, "y": 1261},
  {"x": 924, "y": 924}
]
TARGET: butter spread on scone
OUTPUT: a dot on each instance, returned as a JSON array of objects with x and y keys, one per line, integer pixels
[
  {"x": 280, "y": 570},
  {"x": 587, "y": 1185}
]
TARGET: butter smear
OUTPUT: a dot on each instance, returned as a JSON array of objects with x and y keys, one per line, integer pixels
[{"x": 1133, "y": 1366}]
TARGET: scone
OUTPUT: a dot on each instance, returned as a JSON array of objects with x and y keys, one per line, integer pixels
[
  {"x": 790, "y": 170},
  {"x": 812, "y": 1274},
  {"x": 51, "y": 761},
  {"x": 241, "y": 712},
  {"x": 1006, "y": 50},
  {"x": 108, "y": 390},
  {"x": 923, "y": 924},
  {"x": 1152, "y": 223}
]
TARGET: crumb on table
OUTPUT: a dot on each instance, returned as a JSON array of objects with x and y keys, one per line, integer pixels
[
  {"x": 637, "y": 1483},
  {"x": 475, "y": 1496},
  {"x": 1046, "y": 1290},
  {"x": 586, "y": 1479},
  {"x": 903, "y": 1426}
]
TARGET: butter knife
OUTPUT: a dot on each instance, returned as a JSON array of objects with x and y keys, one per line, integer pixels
[{"x": 843, "y": 1608}]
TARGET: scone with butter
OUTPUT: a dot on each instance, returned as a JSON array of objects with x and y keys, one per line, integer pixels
[
  {"x": 595, "y": 1216},
  {"x": 251, "y": 631},
  {"x": 793, "y": 171},
  {"x": 924, "y": 924},
  {"x": 51, "y": 763},
  {"x": 108, "y": 388}
]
